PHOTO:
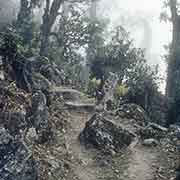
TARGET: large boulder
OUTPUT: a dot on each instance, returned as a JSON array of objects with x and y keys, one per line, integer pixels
[
  {"x": 105, "y": 135},
  {"x": 16, "y": 162}
]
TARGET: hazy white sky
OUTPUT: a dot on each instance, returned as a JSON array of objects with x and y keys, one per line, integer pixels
[
  {"x": 134, "y": 10},
  {"x": 142, "y": 19}
]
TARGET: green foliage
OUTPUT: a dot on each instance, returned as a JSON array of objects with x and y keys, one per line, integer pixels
[
  {"x": 142, "y": 78},
  {"x": 138, "y": 81},
  {"x": 11, "y": 44},
  {"x": 121, "y": 91},
  {"x": 94, "y": 85},
  {"x": 73, "y": 34},
  {"x": 96, "y": 32},
  {"x": 118, "y": 54},
  {"x": 26, "y": 27},
  {"x": 72, "y": 41},
  {"x": 69, "y": 36},
  {"x": 24, "y": 21}
]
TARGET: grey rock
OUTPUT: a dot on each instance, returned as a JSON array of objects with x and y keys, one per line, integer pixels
[
  {"x": 133, "y": 111},
  {"x": 5, "y": 137},
  {"x": 157, "y": 127},
  {"x": 80, "y": 106},
  {"x": 150, "y": 142},
  {"x": 153, "y": 130},
  {"x": 23, "y": 71},
  {"x": 13, "y": 121},
  {"x": 105, "y": 135},
  {"x": 39, "y": 82},
  {"x": 16, "y": 162},
  {"x": 53, "y": 74},
  {"x": 174, "y": 135},
  {"x": 40, "y": 116},
  {"x": 39, "y": 101},
  {"x": 36, "y": 73},
  {"x": 31, "y": 136}
]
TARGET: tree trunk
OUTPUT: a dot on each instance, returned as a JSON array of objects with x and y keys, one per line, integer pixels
[
  {"x": 173, "y": 76},
  {"x": 173, "y": 67},
  {"x": 49, "y": 18}
]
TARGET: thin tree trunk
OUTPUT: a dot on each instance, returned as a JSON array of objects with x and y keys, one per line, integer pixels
[{"x": 49, "y": 18}]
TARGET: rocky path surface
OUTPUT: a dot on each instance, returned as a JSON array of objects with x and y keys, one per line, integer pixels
[
  {"x": 141, "y": 161},
  {"x": 84, "y": 169},
  {"x": 137, "y": 163}
]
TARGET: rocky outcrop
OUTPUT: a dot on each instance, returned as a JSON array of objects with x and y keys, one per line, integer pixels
[
  {"x": 153, "y": 130},
  {"x": 133, "y": 111},
  {"x": 40, "y": 116},
  {"x": 105, "y": 135},
  {"x": 14, "y": 122},
  {"x": 53, "y": 74},
  {"x": 16, "y": 162},
  {"x": 36, "y": 72},
  {"x": 39, "y": 82}
]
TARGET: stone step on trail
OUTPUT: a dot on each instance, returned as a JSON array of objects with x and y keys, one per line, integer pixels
[
  {"x": 74, "y": 99},
  {"x": 80, "y": 106}
]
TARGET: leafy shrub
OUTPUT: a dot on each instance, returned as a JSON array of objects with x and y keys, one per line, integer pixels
[
  {"x": 121, "y": 91},
  {"x": 94, "y": 85}
]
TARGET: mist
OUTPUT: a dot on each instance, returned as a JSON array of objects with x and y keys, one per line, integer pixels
[
  {"x": 7, "y": 16},
  {"x": 142, "y": 21}
]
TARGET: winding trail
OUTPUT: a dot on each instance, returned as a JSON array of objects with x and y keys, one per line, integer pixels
[
  {"x": 85, "y": 168},
  {"x": 136, "y": 163}
]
